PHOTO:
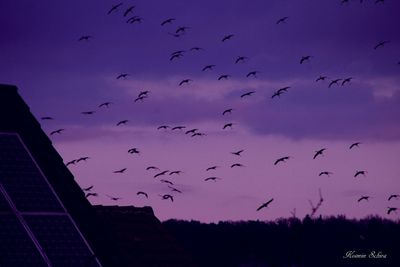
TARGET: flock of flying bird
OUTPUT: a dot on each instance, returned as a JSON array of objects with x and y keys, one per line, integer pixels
[{"x": 128, "y": 14}]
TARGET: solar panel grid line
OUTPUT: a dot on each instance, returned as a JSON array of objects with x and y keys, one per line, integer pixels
[
  {"x": 60, "y": 202},
  {"x": 25, "y": 225}
]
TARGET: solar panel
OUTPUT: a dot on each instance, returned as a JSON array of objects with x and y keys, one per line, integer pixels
[
  {"x": 35, "y": 228},
  {"x": 60, "y": 240},
  {"x": 16, "y": 247},
  {"x": 22, "y": 179}
]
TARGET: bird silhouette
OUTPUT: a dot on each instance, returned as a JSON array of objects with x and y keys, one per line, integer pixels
[
  {"x": 175, "y": 189},
  {"x": 282, "y": 20},
  {"x": 142, "y": 193},
  {"x": 196, "y": 48},
  {"x": 185, "y": 81},
  {"x": 181, "y": 29},
  {"x": 319, "y": 152},
  {"x": 393, "y": 196},
  {"x": 304, "y": 58},
  {"x": 165, "y": 127},
  {"x": 120, "y": 171},
  {"x": 240, "y": 59},
  {"x": 237, "y": 153},
  {"x": 192, "y": 131},
  {"x": 88, "y": 112},
  {"x": 334, "y": 82},
  {"x": 325, "y": 173},
  {"x": 85, "y": 38},
  {"x": 128, "y": 10},
  {"x": 281, "y": 160},
  {"x": 166, "y": 182},
  {"x": 277, "y": 94},
  {"x": 321, "y": 78},
  {"x": 227, "y": 37},
  {"x": 391, "y": 209},
  {"x": 265, "y": 205},
  {"x": 230, "y": 124},
  {"x": 175, "y": 56},
  {"x": 167, "y": 196},
  {"x": 123, "y": 122},
  {"x": 212, "y": 168},
  {"x": 178, "y": 128},
  {"x": 167, "y": 21},
  {"x": 237, "y": 165},
  {"x": 161, "y": 173},
  {"x": 223, "y": 76},
  {"x": 114, "y": 8},
  {"x": 175, "y": 172},
  {"x": 57, "y": 131},
  {"x": 91, "y": 195},
  {"x": 247, "y": 94},
  {"x": 140, "y": 98},
  {"x": 133, "y": 151},
  {"x": 363, "y": 198},
  {"x": 198, "y": 134},
  {"x": 347, "y": 80},
  {"x": 88, "y": 188},
  {"x": 213, "y": 178},
  {"x": 143, "y": 93},
  {"x": 72, "y": 162},
  {"x": 360, "y": 173},
  {"x": 82, "y": 159},
  {"x": 252, "y": 73},
  {"x": 208, "y": 67},
  {"x": 105, "y": 104},
  {"x": 134, "y": 19},
  {"x": 354, "y": 145},
  {"x": 381, "y": 44},
  {"x": 229, "y": 110},
  {"x": 114, "y": 198},
  {"x": 152, "y": 168},
  {"x": 122, "y": 75},
  {"x": 47, "y": 118}
]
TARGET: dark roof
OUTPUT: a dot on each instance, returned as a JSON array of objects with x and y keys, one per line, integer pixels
[{"x": 118, "y": 236}]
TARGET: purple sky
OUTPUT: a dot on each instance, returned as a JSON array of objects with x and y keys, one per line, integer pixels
[{"x": 61, "y": 77}]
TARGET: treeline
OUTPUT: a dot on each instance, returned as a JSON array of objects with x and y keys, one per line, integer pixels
[{"x": 372, "y": 241}]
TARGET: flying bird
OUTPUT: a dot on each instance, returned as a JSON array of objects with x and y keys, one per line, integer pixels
[
  {"x": 140, "y": 98},
  {"x": 381, "y": 44},
  {"x": 47, "y": 118},
  {"x": 227, "y": 125},
  {"x": 390, "y": 210},
  {"x": 281, "y": 160},
  {"x": 227, "y": 37},
  {"x": 175, "y": 172},
  {"x": 363, "y": 198},
  {"x": 198, "y": 134},
  {"x": 354, "y": 145},
  {"x": 122, "y": 122},
  {"x": 114, "y": 8},
  {"x": 143, "y": 93},
  {"x": 178, "y": 128},
  {"x": 88, "y": 112},
  {"x": 165, "y": 127},
  {"x": 178, "y": 55},
  {"x": 282, "y": 20},
  {"x": 321, "y": 78},
  {"x": 237, "y": 165},
  {"x": 304, "y": 58},
  {"x": 265, "y": 205},
  {"x": 347, "y": 80},
  {"x": 247, "y": 94},
  {"x": 134, "y": 19},
  {"x": 129, "y": 10},
  {"x": 122, "y": 75},
  {"x": 212, "y": 168},
  {"x": 170, "y": 20},
  {"x": 237, "y": 153},
  {"x": 166, "y": 196},
  {"x": 133, "y": 151},
  {"x": 166, "y": 182},
  {"x": 85, "y": 38},
  {"x": 185, "y": 81},
  {"x": 72, "y": 162},
  {"x": 319, "y": 152},
  {"x": 174, "y": 189},
  {"x": 334, "y": 82},
  {"x": 105, "y": 104},
  {"x": 224, "y": 76},
  {"x": 181, "y": 29},
  {"x": 113, "y": 198},
  {"x": 152, "y": 168},
  {"x": 325, "y": 173},
  {"x": 142, "y": 193},
  {"x": 240, "y": 59},
  {"x": 252, "y": 73},
  {"x": 393, "y": 196},
  {"x": 212, "y": 179},
  {"x": 161, "y": 173},
  {"x": 360, "y": 173},
  {"x": 88, "y": 188},
  {"x": 208, "y": 67},
  {"x": 276, "y": 94},
  {"x": 120, "y": 171},
  {"x": 192, "y": 131},
  {"x": 82, "y": 159},
  {"x": 57, "y": 131},
  {"x": 91, "y": 195},
  {"x": 229, "y": 110}
]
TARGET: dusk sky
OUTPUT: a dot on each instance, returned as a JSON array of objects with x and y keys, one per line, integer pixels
[{"x": 61, "y": 77}]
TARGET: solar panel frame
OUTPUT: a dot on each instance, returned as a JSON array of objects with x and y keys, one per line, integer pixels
[{"x": 24, "y": 215}]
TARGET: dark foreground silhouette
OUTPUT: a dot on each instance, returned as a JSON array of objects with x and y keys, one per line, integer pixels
[{"x": 291, "y": 242}]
